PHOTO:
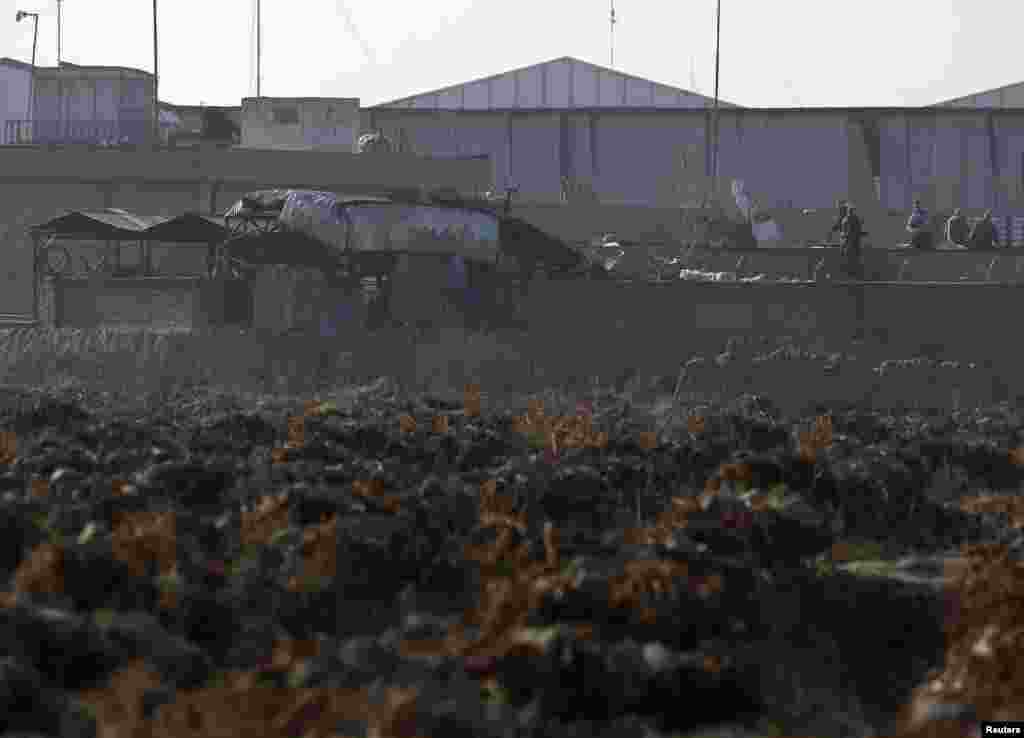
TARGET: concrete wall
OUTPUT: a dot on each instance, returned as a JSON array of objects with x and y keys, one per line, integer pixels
[
  {"x": 37, "y": 185},
  {"x": 300, "y": 124},
  {"x": 156, "y": 302},
  {"x": 653, "y": 328}
]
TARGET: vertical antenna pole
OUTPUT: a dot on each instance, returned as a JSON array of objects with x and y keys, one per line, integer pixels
[
  {"x": 59, "y": 3},
  {"x": 612, "y": 35},
  {"x": 32, "y": 85},
  {"x": 258, "y": 45},
  {"x": 714, "y": 150},
  {"x": 156, "y": 77}
]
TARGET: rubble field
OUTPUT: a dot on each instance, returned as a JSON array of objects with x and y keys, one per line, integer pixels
[{"x": 376, "y": 562}]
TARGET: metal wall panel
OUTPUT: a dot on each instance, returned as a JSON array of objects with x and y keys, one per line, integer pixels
[
  {"x": 14, "y": 89},
  {"x": 503, "y": 91},
  {"x": 477, "y": 96},
  {"x": 783, "y": 159},
  {"x": 558, "y": 85},
  {"x": 1013, "y": 97},
  {"x": 922, "y": 156},
  {"x": 978, "y": 170},
  {"x": 948, "y": 166},
  {"x": 450, "y": 99},
  {"x": 1012, "y": 133},
  {"x": 107, "y": 96},
  {"x": 987, "y": 99},
  {"x": 612, "y": 90},
  {"x": 535, "y": 155},
  {"x": 640, "y": 168},
  {"x": 581, "y": 156},
  {"x": 639, "y": 93},
  {"x": 584, "y": 86},
  {"x": 81, "y": 100},
  {"x": 665, "y": 96},
  {"x": 530, "y": 85},
  {"x": 893, "y": 155}
]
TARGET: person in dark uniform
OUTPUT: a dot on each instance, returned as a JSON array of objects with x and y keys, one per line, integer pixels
[
  {"x": 851, "y": 232},
  {"x": 918, "y": 227},
  {"x": 841, "y": 205},
  {"x": 984, "y": 235}
]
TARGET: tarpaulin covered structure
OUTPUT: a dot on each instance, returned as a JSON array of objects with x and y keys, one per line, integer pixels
[{"x": 333, "y": 227}]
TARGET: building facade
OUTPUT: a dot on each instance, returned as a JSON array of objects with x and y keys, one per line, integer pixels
[
  {"x": 15, "y": 93},
  {"x": 300, "y": 123},
  {"x": 79, "y": 104}
]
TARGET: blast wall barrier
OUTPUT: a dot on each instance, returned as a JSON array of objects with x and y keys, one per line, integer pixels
[{"x": 580, "y": 329}]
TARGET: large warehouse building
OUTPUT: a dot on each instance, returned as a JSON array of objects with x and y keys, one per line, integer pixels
[
  {"x": 566, "y": 129},
  {"x": 633, "y": 141}
]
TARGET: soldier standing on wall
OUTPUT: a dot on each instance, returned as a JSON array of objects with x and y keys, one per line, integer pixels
[
  {"x": 851, "y": 231},
  {"x": 841, "y": 205},
  {"x": 918, "y": 227},
  {"x": 984, "y": 234}
]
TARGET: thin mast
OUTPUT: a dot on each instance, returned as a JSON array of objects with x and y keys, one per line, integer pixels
[
  {"x": 258, "y": 45},
  {"x": 156, "y": 77},
  {"x": 611, "y": 25},
  {"x": 714, "y": 150}
]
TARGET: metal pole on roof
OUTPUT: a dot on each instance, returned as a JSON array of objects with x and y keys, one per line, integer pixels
[
  {"x": 714, "y": 150},
  {"x": 612, "y": 41},
  {"x": 259, "y": 35},
  {"x": 59, "y": 3},
  {"x": 21, "y": 14},
  {"x": 156, "y": 78}
]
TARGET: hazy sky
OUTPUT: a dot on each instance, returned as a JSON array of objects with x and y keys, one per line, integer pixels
[{"x": 774, "y": 54}]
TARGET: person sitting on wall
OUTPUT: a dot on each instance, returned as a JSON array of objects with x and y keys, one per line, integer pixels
[
  {"x": 984, "y": 235},
  {"x": 851, "y": 232},
  {"x": 957, "y": 231},
  {"x": 917, "y": 226}
]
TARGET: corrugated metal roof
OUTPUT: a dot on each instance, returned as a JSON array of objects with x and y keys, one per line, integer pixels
[
  {"x": 401, "y": 103},
  {"x": 119, "y": 225},
  {"x": 106, "y": 224},
  {"x": 188, "y": 228}
]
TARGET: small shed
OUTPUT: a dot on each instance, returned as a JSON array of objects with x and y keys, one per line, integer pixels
[{"x": 107, "y": 289}]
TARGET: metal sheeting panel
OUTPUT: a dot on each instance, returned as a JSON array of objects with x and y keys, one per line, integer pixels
[
  {"x": 893, "y": 156},
  {"x": 636, "y": 169},
  {"x": 562, "y": 84},
  {"x": 536, "y": 145},
  {"x": 558, "y": 85},
  {"x": 188, "y": 228},
  {"x": 102, "y": 224},
  {"x": 530, "y": 88},
  {"x": 1013, "y": 97},
  {"x": 922, "y": 157},
  {"x": 978, "y": 173}
]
